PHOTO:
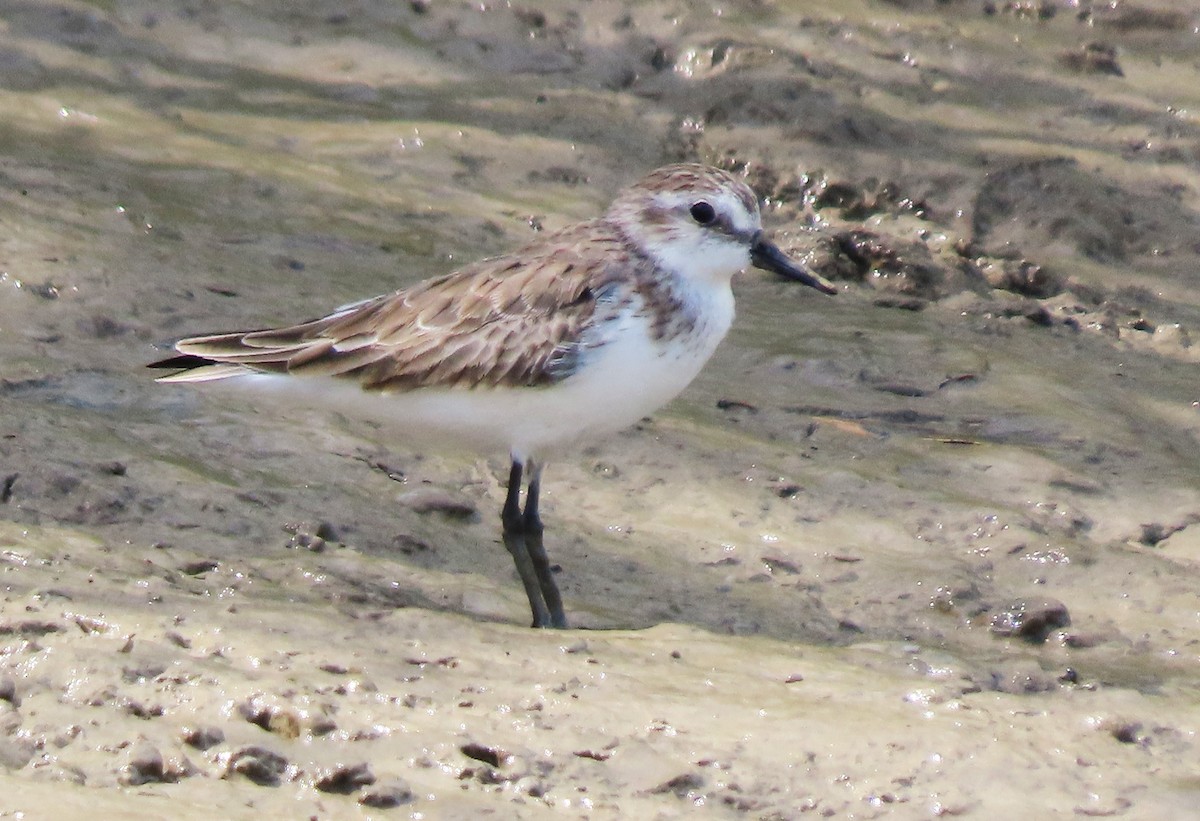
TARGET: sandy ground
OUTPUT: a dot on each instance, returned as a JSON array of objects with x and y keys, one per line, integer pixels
[{"x": 928, "y": 548}]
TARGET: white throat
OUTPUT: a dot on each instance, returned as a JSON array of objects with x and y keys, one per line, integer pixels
[{"x": 711, "y": 262}]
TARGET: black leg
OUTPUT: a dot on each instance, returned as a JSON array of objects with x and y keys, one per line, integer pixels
[
  {"x": 532, "y": 525},
  {"x": 514, "y": 540}
]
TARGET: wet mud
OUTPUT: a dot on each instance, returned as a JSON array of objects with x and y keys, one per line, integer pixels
[{"x": 927, "y": 548}]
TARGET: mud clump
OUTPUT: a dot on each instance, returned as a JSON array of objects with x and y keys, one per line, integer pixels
[
  {"x": 203, "y": 738},
  {"x": 387, "y": 795},
  {"x": 344, "y": 779},
  {"x": 1031, "y": 619},
  {"x": 1052, "y": 203},
  {"x": 1093, "y": 58},
  {"x": 888, "y": 263},
  {"x": 264, "y": 767}
]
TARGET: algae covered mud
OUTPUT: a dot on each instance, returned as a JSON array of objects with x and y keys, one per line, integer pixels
[{"x": 926, "y": 548}]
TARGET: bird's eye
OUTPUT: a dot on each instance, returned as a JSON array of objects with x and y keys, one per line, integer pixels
[{"x": 703, "y": 213}]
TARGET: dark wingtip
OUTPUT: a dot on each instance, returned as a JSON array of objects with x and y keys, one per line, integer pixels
[{"x": 182, "y": 362}]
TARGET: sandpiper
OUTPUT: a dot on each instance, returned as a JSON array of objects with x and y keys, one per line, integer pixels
[{"x": 579, "y": 334}]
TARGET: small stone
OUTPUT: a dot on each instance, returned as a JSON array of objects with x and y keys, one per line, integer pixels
[
  {"x": 204, "y": 737},
  {"x": 1156, "y": 532},
  {"x": 262, "y": 766},
  {"x": 322, "y": 725},
  {"x": 781, "y": 566},
  {"x": 1020, "y": 276},
  {"x": 344, "y": 779},
  {"x": 394, "y": 793},
  {"x": 144, "y": 765},
  {"x": 736, "y": 405},
  {"x": 1093, "y": 58},
  {"x": 195, "y": 568},
  {"x": 328, "y": 532},
  {"x": 281, "y": 722},
  {"x": 15, "y": 752},
  {"x": 90, "y": 625},
  {"x": 8, "y": 691},
  {"x": 284, "y": 724},
  {"x": 142, "y": 674},
  {"x": 681, "y": 785},
  {"x": 112, "y": 468},
  {"x": 1031, "y": 619},
  {"x": 488, "y": 755},
  {"x": 307, "y": 541},
  {"x": 594, "y": 755},
  {"x": 606, "y": 470},
  {"x": 64, "y": 737},
  {"x": 1127, "y": 732},
  {"x": 47, "y": 290}
]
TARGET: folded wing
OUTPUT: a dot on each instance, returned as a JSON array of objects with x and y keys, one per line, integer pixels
[{"x": 517, "y": 320}]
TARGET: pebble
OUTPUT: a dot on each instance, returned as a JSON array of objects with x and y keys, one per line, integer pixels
[
  {"x": 143, "y": 765},
  {"x": 393, "y": 793},
  {"x": 8, "y": 691},
  {"x": 485, "y": 753},
  {"x": 262, "y": 766},
  {"x": 199, "y": 566},
  {"x": 344, "y": 779},
  {"x": 203, "y": 737},
  {"x": 15, "y": 752},
  {"x": 681, "y": 785},
  {"x": 1030, "y": 619},
  {"x": 281, "y": 722}
]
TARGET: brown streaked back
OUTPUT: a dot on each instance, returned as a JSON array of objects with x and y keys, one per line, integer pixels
[{"x": 506, "y": 321}]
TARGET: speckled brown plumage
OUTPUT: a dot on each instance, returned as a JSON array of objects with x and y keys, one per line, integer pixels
[{"x": 516, "y": 320}]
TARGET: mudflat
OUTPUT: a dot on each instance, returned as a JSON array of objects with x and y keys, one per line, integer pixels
[{"x": 928, "y": 548}]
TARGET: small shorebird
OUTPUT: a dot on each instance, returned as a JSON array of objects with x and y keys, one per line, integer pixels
[{"x": 578, "y": 334}]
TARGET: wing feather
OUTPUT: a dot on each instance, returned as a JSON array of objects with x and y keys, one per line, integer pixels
[{"x": 519, "y": 319}]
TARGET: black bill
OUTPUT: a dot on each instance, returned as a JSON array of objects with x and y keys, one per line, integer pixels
[{"x": 766, "y": 255}]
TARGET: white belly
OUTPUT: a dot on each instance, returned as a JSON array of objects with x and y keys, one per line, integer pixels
[{"x": 622, "y": 381}]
